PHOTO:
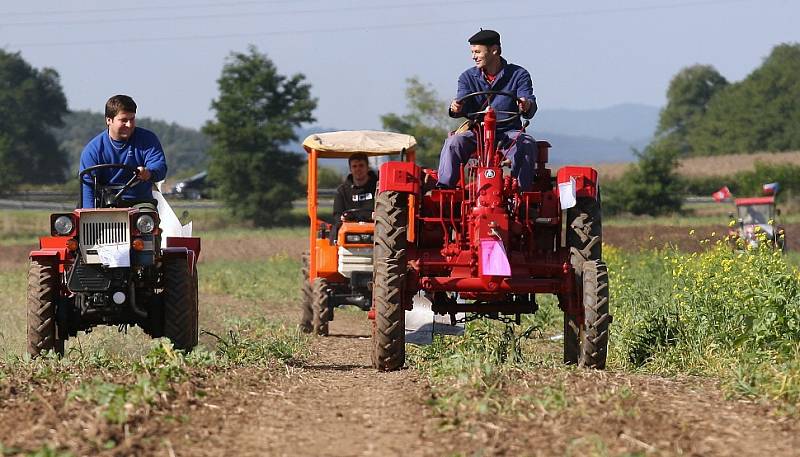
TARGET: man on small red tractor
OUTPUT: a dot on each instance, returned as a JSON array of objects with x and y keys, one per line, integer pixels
[
  {"x": 355, "y": 198},
  {"x": 123, "y": 143},
  {"x": 491, "y": 73}
]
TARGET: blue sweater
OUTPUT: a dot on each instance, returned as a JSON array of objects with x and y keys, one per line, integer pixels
[
  {"x": 511, "y": 78},
  {"x": 142, "y": 150}
]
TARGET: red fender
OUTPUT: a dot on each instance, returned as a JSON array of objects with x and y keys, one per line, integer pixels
[{"x": 585, "y": 180}]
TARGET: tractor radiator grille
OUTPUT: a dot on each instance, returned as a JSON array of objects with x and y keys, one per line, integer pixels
[
  {"x": 104, "y": 228},
  {"x": 95, "y": 233}
]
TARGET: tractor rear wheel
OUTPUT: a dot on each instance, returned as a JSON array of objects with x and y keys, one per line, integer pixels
[
  {"x": 585, "y": 242},
  {"x": 592, "y": 348},
  {"x": 43, "y": 293},
  {"x": 180, "y": 304},
  {"x": 391, "y": 222},
  {"x": 320, "y": 307},
  {"x": 307, "y": 316}
]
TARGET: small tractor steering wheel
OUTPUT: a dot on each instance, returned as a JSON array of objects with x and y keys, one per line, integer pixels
[
  {"x": 510, "y": 115},
  {"x": 357, "y": 215},
  {"x": 113, "y": 200}
]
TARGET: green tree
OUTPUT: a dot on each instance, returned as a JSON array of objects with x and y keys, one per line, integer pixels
[
  {"x": 427, "y": 121},
  {"x": 257, "y": 112},
  {"x": 651, "y": 186},
  {"x": 760, "y": 113},
  {"x": 688, "y": 96},
  {"x": 31, "y": 101}
]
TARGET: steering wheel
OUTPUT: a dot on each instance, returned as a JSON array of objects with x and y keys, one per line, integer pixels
[
  {"x": 134, "y": 180},
  {"x": 357, "y": 215},
  {"x": 510, "y": 115}
]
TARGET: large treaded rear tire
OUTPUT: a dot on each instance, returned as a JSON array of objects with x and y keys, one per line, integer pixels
[
  {"x": 180, "y": 304},
  {"x": 594, "y": 334},
  {"x": 585, "y": 242},
  {"x": 320, "y": 306},
  {"x": 43, "y": 291},
  {"x": 391, "y": 222},
  {"x": 307, "y": 313}
]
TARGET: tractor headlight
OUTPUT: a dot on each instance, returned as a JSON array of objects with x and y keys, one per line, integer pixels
[
  {"x": 145, "y": 224},
  {"x": 63, "y": 225},
  {"x": 360, "y": 238}
]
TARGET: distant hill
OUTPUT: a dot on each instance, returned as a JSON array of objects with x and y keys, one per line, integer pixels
[
  {"x": 569, "y": 149},
  {"x": 629, "y": 123}
]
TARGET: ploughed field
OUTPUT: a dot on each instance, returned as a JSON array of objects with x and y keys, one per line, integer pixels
[{"x": 258, "y": 387}]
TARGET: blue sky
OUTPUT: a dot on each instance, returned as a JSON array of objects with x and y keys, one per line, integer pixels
[{"x": 583, "y": 54}]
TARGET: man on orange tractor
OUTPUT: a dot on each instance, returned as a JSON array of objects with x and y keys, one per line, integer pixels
[
  {"x": 491, "y": 73},
  {"x": 123, "y": 143},
  {"x": 356, "y": 194}
]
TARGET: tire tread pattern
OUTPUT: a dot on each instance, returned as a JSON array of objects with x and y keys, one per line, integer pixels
[
  {"x": 43, "y": 280},
  {"x": 180, "y": 307},
  {"x": 391, "y": 220}
]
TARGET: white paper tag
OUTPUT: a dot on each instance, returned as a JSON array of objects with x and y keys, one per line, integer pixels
[
  {"x": 566, "y": 193},
  {"x": 115, "y": 255}
]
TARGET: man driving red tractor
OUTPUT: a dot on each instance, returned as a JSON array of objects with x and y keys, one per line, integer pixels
[{"x": 491, "y": 73}]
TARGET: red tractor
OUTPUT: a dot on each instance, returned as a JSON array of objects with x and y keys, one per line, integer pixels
[
  {"x": 106, "y": 266},
  {"x": 487, "y": 248},
  {"x": 754, "y": 216}
]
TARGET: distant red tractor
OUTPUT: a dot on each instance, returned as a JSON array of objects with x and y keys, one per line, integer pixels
[
  {"x": 106, "y": 266},
  {"x": 754, "y": 216},
  {"x": 487, "y": 248}
]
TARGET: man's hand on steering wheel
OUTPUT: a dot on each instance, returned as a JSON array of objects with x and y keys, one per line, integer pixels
[
  {"x": 456, "y": 106},
  {"x": 524, "y": 104},
  {"x": 144, "y": 174}
]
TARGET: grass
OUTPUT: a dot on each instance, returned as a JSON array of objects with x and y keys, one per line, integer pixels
[{"x": 731, "y": 315}]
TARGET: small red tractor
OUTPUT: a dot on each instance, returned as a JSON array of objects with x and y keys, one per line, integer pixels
[
  {"x": 754, "y": 216},
  {"x": 487, "y": 248},
  {"x": 106, "y": 266},
  {"x": 338, "y": 272}
]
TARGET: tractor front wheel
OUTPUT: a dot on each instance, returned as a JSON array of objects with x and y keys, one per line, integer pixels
[
  {"x": 43, "y": 293},
  {"x": 320, "y": 307},
  {"x": 587, "y": 344},
  {"x": 391, "y": 221},
  {"x": 180, "y": 304}
]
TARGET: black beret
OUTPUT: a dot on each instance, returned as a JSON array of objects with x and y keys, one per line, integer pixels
[{"x": 487, "y": 37}]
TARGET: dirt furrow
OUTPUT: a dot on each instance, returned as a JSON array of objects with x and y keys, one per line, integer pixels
[{"x": 335, "y": 404}]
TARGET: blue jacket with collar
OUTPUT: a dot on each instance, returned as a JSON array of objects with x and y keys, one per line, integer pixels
[
  {"x": 511, "y": 78},
  {"x": 142, "y": 150}
]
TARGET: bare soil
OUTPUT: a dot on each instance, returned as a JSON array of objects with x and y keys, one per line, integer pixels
[{"x": 336, "y": 405}]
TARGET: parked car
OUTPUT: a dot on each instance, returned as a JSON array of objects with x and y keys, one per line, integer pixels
[{"x": 193, "y": 188}]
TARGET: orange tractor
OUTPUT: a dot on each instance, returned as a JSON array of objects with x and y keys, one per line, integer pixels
[
  {"x": 337, "y": 270},
  {"x": 487, "y": 248},
  {"x": 107, "y": 265}
]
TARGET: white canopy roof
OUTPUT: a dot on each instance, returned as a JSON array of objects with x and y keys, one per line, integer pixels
[{"x": 343, "y": 143}]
